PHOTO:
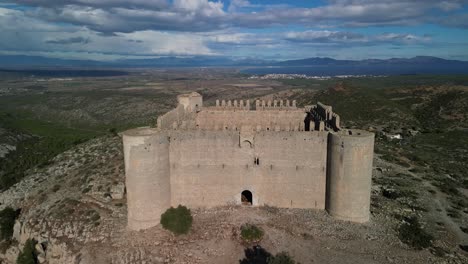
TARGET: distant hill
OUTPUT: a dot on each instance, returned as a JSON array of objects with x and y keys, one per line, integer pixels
[
  {"x": 38, "y": 61},
  {"x": 7, "y": 61},
  {"x": 329, "y": 61},
  {"x": 23, "y": 61}
]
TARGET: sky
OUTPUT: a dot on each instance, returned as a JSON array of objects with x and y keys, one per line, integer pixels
[{"x": 256, "y": 29}]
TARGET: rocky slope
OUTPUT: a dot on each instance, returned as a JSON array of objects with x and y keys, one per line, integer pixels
[{"x": 75, "y": 209}]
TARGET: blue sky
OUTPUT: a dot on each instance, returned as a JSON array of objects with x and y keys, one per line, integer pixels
[{"x": 276, "y": 29}]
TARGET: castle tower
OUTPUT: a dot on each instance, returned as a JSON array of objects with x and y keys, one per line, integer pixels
[
  {"x": 350, "y": 154},
  {"x": 192, "y": 102},
  {"x": 147, "y": 171}
]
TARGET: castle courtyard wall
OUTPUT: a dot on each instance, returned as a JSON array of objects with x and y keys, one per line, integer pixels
[
  {"x": 266, "y": 120},
  {"x": 176, "y": 115}
]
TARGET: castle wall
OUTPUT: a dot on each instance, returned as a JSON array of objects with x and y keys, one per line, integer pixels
[
  {"x": 207, "y": 156},
  {"x": 211, "y": 168},
  {"x": 265, "y": 120},
  {"x": 176, "y": 115},
  {"x": 191, "y": 102},
  {"x": 292, "y": 168},
  {"x": 350, "y": 155},
  {"x": 147, "y": 174}
]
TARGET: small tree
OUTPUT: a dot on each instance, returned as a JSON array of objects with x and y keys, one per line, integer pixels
[
  {"x": 7, "y": 222},
  {"x": 255, "y": 255},
  {"x": 411, "y": 233},
  {"x": 113, "y": 132},
  {"x": 28, "y": 255},
  {"x": 251, "y": 233},
  {"x": 177, "y": 220},
  {"x": 258, "y": 255}
]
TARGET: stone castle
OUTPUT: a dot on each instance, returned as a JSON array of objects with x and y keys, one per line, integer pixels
[{"x": 275, "y": 154}]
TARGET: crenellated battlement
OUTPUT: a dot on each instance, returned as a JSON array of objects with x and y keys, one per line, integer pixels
[
  {"x": 324, "y": 117},
  {"x": 275, "y": 105},
  {"x": 268, "y": 115},
  {"x": 231, "y": 105}
]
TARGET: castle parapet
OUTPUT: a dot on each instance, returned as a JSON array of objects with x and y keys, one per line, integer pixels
[
  {"x": 192, "y": 102},
  {"x": 324, "y": 113},
  {"x": 171, "y": 119},
  {"x": 231, "y": 105},
  {"x": 275, "y": 105}
]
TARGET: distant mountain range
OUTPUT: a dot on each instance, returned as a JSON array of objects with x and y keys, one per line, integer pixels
[
  {"x": 328, "y": 61},
  {"x": 320, "y": 66},
  {"x": 7, "y": 61}
]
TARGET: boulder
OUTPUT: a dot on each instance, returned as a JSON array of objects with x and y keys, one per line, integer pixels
[
  {"x": 17, "y": 230},
  {"x": 118, "y": 191}
]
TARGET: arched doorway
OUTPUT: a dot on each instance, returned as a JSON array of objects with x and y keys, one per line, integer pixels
[{"x": 246, "y": 197}]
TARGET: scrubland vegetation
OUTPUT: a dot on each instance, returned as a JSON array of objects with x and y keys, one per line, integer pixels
[
  {"x": 420, "y": 192},
  {"x": 177, "y": 220},
  {"x": 430, "y": 114}
]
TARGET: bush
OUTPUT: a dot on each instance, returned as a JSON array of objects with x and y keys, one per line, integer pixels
[
  {"x": 7, "y": 222},
  {"x": 178, "y": 220},
  {"x": 255, "y": 255},
  {"x": 113, "y": 132},
  {"x": 56, "y": 188},
  {"x": 413, "y": 235},
  {"x": 28, "y": 255},
  {"x": 251, "y": 233},
  {"x": 464, "y": 247},
  {"x": 258, "y": 255},
  {"x": 390, "y": 194}
]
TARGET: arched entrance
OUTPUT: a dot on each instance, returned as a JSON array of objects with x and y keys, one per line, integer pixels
[{"x": 246, "y": 197}]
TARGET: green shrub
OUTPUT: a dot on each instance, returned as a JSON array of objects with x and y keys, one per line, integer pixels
[
  {"x": 177, "y": 220},
  {"x": 251, "y": 233},
  {"x": 413, "y": 235},
  {"x": 464, "y": 229},
  {"x": 28, "y": 255},
  {"x": 454, "y": 213},
  {"x": 56, "y": 188},
  {"x": 281, "y": 258},
  {"x": 390, "y": 194},
  {"x": 464, "y": 247},
  {"x": 258, "y": 255},
  {"x": 255, "y": 255},
  {"x": 95, "y": 217},
  {"x": 113, "y": 132},
  {"x": 7, "y": 221}
]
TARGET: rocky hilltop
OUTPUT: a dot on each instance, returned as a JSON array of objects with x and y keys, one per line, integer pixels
[{"x": 75, "y": 208}]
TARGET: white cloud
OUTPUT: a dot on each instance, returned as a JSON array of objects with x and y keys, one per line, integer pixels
[
  {"x": 117, "y": 28},
  {"x": 204, "y": 15},
  {"x": 351, "y": 38},
  {"x": 239, "y": 4},
  {"x": 325, "y": 36},
  {"x": 169, "y": 43},
  {"x": 205, "y": 7},
  {"x": 21, "y": 33},
  {"x": 154, "y": 4}
]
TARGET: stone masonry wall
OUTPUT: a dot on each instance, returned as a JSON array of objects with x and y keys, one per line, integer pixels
[
  {"x": 167, "y": 120},
  {"x": 210, "y": 168},
  {"x": 271, "y": 120}
]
